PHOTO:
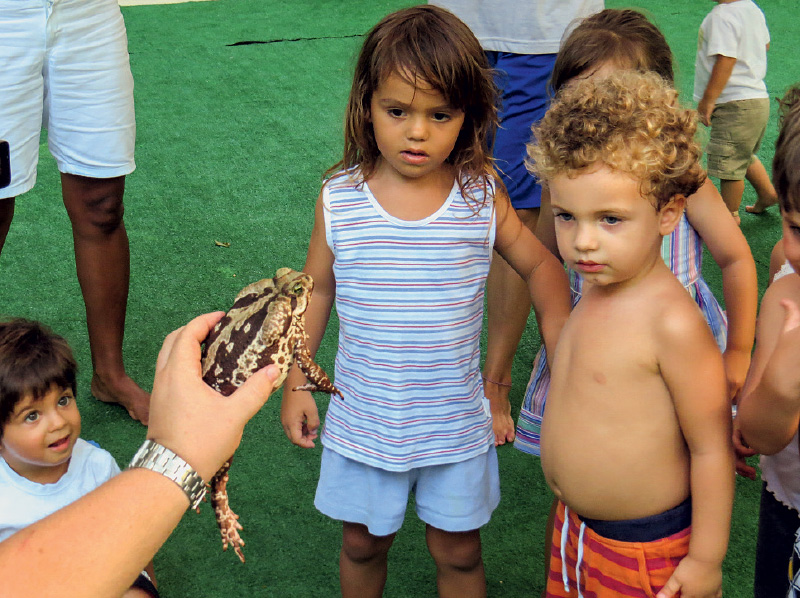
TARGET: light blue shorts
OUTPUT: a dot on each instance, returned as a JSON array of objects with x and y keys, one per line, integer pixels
[
  {"x": 64, "y": 67},
  {"x": 455, "y": 497}
]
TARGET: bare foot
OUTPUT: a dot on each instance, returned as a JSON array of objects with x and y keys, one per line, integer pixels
[
  {"x": 125, "y": 392},
  {"x": 737, "y": 218},
  {"x": 761, "y": 205},
  {"x": 502, "y": 423}
]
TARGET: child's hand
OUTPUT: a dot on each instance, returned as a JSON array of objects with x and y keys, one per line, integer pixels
[
  {"x": 299, "y": 417},
  {"x": 736, "y": 365},
  {"x": 694, "y": 579},
  {"x": 742, "y": 451},
  {"x": 704, "y": 109}
]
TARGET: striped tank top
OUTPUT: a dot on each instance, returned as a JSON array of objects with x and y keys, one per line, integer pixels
[{"x": 409, "y": 296}]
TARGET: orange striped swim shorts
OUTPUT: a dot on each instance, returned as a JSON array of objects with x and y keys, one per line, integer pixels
[{"x": 585, "y": 563}]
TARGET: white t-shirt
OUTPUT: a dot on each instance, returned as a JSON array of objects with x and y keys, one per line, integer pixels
[
  {"x": 23, "y": 502},
  {"x": 736, "y": 30},
  {"x": 522, "y": 27}
]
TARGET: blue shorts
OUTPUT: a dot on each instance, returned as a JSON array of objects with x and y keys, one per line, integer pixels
[
  {"x": 522, "y": 80},
  {"x": 64, "y": 67},
  {"x": 455, "y": 497}
]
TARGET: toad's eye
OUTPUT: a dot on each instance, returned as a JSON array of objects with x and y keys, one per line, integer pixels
[{"x": 297, "y": 289}]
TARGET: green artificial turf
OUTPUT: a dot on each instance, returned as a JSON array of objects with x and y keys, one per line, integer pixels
[{"x": 231, "y": 143}]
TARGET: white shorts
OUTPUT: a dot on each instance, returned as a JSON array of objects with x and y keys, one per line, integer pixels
[
  {"x": 64, "y": 67},
  {"x": 454, "y": 497}
]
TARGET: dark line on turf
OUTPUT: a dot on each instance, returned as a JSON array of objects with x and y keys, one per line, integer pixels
[{"x": 295, "y": 39}]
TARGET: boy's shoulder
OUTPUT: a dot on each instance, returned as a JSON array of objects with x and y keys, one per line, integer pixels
[{"x": 675, "y": 314}]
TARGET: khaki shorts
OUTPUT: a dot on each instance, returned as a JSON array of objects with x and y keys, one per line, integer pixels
[{"x": 736, "y": 132}]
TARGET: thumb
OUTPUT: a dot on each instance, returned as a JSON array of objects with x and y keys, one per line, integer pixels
[
  {"x": 791, "y": 317},
  {"x": 670, "y": 588},
  {"x": 252, "y": 395}
]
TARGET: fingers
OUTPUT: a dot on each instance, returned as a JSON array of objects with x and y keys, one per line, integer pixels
[
  {"x": 299, "y": 432},
  {"x": 252, "y": 395},
  {"x": 791, "y": 318},
  {"x": 745, "y": 470},
  {"x": 197, "y": 329},
  {"x": 670, "y": 588}
]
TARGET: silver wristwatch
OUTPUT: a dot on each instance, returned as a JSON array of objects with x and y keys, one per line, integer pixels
[{"x": 155, "y": 457}]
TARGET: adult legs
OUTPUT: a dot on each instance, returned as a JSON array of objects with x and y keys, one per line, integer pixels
[
  {"x": 362, "y": 561},
  {"x": 758, "y": 176},
  {"x": 459, "y": 564},
  {"x": 508, "y": 306},
  {"x": 102, "y": 261},
  {"x": 6, "y": 215}
]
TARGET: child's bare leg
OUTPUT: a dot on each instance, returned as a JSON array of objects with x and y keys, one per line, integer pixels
[
  {"x": 459, "y": 564},
  {"x": 508, "y": 306},
  {"x": 102, "y": 260},
  {"x": 732, "y": 192},
  {"x": 362, "y": 562},
  {"x": 6, "y": 215},
  {"x": 758, "y": 176}
]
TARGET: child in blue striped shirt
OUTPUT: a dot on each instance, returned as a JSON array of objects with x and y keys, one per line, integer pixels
[{"x": 402, "y": 242}]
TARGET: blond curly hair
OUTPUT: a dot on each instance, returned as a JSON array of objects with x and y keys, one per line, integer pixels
[{"x": 629, "y": 121}]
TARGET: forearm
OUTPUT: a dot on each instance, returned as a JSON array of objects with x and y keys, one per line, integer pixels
[
  {"x": 115, "y": 529},
  {"x": 723, "y": 67},
  {"x": 549, "y": 288},
  {"x": 767, "y": 418},
  {"x": 740, "y": 289},
  {"x": 712, "y": 488}
]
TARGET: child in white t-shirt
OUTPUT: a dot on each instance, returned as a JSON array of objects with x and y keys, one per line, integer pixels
[
  {"x": 732, "y": 99},
  {"x": 44, "y": 465}
]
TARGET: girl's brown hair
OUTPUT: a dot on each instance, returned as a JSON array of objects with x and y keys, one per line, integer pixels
[
  {"x": 431, "y": 45},
  {"x": 625, "y": 38}
]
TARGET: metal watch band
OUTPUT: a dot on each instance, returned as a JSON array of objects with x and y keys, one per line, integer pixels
[{"x": 155, "y": 457}]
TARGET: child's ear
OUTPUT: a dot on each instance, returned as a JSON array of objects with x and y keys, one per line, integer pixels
[{"x": 670, "y": 214}]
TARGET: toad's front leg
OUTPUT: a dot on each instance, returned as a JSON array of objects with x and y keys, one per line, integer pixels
[{"x": 227, "y": 520}]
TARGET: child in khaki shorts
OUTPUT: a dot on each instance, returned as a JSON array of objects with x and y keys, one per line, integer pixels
[{"x": 732, "y": 99}]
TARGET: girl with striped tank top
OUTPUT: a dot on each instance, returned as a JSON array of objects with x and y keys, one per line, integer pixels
[
  {"x": 616, "y": 39},
  {"x": 402, "y": 241}
]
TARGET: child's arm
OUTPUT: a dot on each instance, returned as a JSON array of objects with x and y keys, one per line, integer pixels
[
  {"x": 693, "y": 372},
  {"x": 776, "y": 259},
  {"x": 711, "y": 219},
  {"x": 769, "y": 410},
  {"x": 723, "y": 67},
  {"x": 299, "y": 415},
  {"x": 545, "y": 276},
  {"x": 546, "y": 226}
]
